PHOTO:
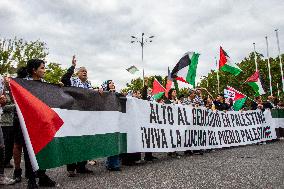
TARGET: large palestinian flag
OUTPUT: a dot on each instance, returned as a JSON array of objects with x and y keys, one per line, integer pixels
[
  {"x": 227, "y": 65},
  {"x": 255, "y": 82},
  {"x": 63, "y": 125},
  {"x": 185, "y": 69}
]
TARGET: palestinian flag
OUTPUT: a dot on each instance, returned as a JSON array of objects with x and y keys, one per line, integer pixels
[
  {"x": 255, "y": 82},
  {"x": 132, "y": 69},
  {"x": 227, "y": 65},
  {"x": 185, "y": 69},
  {"x": 64, "y": 125},
  {"x": 238, "y": 98},
  {"x": 158, "y": 89}
]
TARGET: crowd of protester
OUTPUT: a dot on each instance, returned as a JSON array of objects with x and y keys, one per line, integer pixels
[{"x": 12, "y": 141}]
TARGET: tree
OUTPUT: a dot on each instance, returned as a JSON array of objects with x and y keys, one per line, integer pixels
[
  {"x": 14, "y": 53},
  {"x": 53, "y": 73}
]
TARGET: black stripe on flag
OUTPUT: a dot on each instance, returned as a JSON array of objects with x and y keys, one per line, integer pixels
[
  {"x": 74, "y": 98},
  {"x": 182, "y": 63}
]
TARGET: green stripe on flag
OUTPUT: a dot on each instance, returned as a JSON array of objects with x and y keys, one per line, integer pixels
[
  {"x": 233, "y": 70},
  {"x": 64, "y": 150},
  {"x": 239, "y": 104},
  {"x": 159, "y": 95},
  {"x": 255, "y": 87},
  {"x": 191, "y": 74},
  {"x": 279, "y": 113}
]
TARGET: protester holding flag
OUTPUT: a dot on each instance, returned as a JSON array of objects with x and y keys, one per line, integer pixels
[
  {"x": 82, "y": 82},
  {"x": 35, "y": 71}
]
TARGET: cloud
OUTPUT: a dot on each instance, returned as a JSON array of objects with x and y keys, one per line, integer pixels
[{"x": 98, "y": 32}]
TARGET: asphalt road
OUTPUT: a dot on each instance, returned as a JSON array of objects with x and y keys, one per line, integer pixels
[{"x": 254, "y": 166}]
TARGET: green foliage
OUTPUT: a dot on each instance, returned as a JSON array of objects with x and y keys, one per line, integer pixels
[
  {"x": 54, "y": 73},
  {"x": 14, "y": 53}
]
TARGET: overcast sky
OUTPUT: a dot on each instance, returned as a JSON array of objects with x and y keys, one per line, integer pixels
[{"x": 98, "y": 32}]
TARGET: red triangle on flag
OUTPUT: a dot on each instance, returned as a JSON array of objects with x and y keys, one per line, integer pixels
[
  {"x": 254, "y": 77},
  {"x": 223, "y": 58},
  {"x": 41, "y": 121},
  {"x": 157, "y": 87}
]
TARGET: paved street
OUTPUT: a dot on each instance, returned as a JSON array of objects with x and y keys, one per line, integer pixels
[{"x": 255, "y": 166}]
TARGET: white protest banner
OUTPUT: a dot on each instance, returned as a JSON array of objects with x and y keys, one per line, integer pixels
[{"x": 154, "y": 127}]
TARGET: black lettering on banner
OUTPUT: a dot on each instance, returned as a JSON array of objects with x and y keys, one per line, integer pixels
[
  {"x": 203, "y": 142},
  {"x": 172, "y": 139},
  {"x": 186, "y": 144},
  {"x": 180, "y": 117},
  {"x": 243, "y": 134},
  {"x": 164, "y": 139},
  {"x": 244, "y": 120},
  {"x": 157, "y": 112},
  {"x": 152, "y": 136},
  {"x": 224, "y": 119},
  {"x": 233, "y": 119},
  {"x": 237, "y": 120},
  {"x": 220, "y": 134},
  {"x": 237, "y": 134},
  {"x": 207, "y": 118},
  {"x": 211, "y": 119},
  {"x": 198, "y": 116},
  {"x": 248, "y": 135},
  {"x": 260, "y": 117},
  {"x": 170, "y": 115},
  {"x": 228, "y": 120},
  {"x": 157, "y": 137},
  {"x": 248, "y": 119},
  {"x": 256, "y": 118},
  {"x": 185, "y": 117},
  {"x": 164, "y": 114},
  {"x": 252, "y": 117},
  {"x": 193, "y": 116},
  {"x": 218, "y": 120},
  {"x": 152, "y": 114},
  {"x": 142, "y": 137},
  {"x": 212, "y": 138},
  {"x": 147, "y": 136},
  {"x": 178, "y": 138},
  {"x": 256, "y": 136}
]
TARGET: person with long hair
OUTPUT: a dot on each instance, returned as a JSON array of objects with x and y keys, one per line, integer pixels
[
  {"x": 35, "y": 70},
  {"x": 172, "y": 99},
  {"x": 113, "y": 162}
]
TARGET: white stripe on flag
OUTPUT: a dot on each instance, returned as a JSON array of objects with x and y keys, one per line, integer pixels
[{"x": 78, "y": 123}]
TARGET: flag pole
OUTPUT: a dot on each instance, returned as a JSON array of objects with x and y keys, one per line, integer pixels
[
  {"x": 278, "y": 92},
  {"x": 268, "y": 63},
  {"x": 255, "y": 61},
  {"x": 218, "y": 81},
  {"x": 280, "y": 61}
]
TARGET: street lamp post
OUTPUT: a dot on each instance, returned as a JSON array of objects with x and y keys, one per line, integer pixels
[{"x": 142, "y": 42}]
